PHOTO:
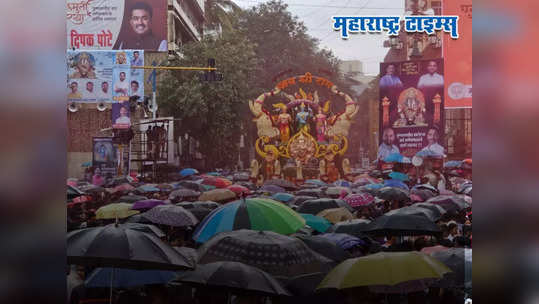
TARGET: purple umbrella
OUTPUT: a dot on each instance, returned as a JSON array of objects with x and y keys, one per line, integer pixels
[
  {"x": 272, "y": 189},
  {"x": 147, "y": 204}
]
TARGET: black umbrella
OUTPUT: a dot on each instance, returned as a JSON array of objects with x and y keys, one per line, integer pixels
[
  {"x": 205, "y": 204},
  {"x": 200, "y": 212},
  {"x": 287, "y": 185},
  {"x": 303, "y": 285},
  {"x": 415, "y": 211},
  {"x": 402, "y": 225},
  {"x": 393, "y": 194},
  {"x": 145, "y": 228},
  {"x": 437, "y": 210},
  {"x": 121, "y": 247},
  {"x": 247, "y": 185},
  {"x": 324, "y": 247},
  {"x": 241, "y": 177},
  {"x": 309, "y": 186},
  {"x": 299, "y": 200},
  {"x": 233, "y": 275},
  {"x": 274, "y": 253},
  {"x": 318, "y": 205},
  {"x": 423, "y": 193},
  {"x": 137, "y": 218},
  {"x": 317, "y": 192},
  {"x": 191, "y": 185},
  {"x": 451, "y": 203},
  {"x": 181, "y": 194},
  {"x": 459, "y": 260},
  {"x": 353, "y": 227},
  {"x": 131, "y": 198}
]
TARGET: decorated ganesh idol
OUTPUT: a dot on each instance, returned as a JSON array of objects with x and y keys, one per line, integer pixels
[{"x": 309, "y": 123}]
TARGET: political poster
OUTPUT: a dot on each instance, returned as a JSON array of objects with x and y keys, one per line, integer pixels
[
  {"x": 121, "y": 116},
  {"x": 104, "y": 76},
  {"x": 458, "y": 84},
  {"x": 105, "y": 155},
  {"x": 117, "y": 25},
  {"x": 411, "y": 108}
]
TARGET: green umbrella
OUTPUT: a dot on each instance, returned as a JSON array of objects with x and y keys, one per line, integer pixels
[
  {"x": 318, "y": 223},
  {"x": 390, "y": 272}
]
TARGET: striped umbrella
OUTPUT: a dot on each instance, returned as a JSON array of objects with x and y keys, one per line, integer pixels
[
  {"x": 171, "y": 215},
  {"x": 252, "y": 213}
]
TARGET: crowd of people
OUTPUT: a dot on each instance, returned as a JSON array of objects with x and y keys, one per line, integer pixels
[{"x": 455, "y": 229}]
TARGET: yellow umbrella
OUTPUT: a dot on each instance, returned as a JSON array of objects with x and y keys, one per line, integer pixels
[
  {"x": 335, "y": 215},
  {"x": 217, "y": 195},
  {"x": 387, "y": 272},
  {"x": 113, "y": 211}
]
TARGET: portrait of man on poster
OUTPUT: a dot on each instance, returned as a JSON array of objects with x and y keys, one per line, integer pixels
[{"x": 140, "y": 35}]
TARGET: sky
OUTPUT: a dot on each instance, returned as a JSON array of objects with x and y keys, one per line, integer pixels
[{"x": 316, "y": 15}]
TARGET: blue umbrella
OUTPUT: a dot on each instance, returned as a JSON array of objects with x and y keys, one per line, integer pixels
[
  {"x": 344, "y": 240},
  {"x": 315, "y": 182},
  {"x": 318, "y": 223},
  {"x": 453, "y": 164},
  {"x": 148, "y": 188},
  {"x": 214, "y": 173},
  {"x": 342, "y": 183},
  {"x": 372, "y": 186},
  {"x": 399, "y": 176},
  {"x": 393, "y": 158},
  {"x": 188, "y": 172},
  {"x": 120, "y": 277},
  {"x": 396, "y": 184},
  {"x": 272, "y": 189},
  {"x": 282, "y": 197}
]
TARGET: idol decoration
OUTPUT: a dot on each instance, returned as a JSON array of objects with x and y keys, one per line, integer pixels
[{"x": 302, "y": 130}]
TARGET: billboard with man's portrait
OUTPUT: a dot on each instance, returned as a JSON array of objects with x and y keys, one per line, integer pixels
[
  {"x": 411, "y": 108},
  {"x": 104, "y": 76},
  {"x": 117, "y": 25}
]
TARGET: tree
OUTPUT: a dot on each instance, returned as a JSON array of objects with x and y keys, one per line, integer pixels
[
  {"x": 220, "y": 14},
  {"x": 210, "y": 112}
]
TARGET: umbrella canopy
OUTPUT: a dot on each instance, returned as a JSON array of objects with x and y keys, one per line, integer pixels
[
  {"x": 188, "y": 172},
  {"x": 364, "y": 180},
  {"x": 342, "y": 183},
  {"x": 287, "y": 185},
  {"x": 147, "y": 204},
  {"x": 399, "y": 176},
  {"x": 385, "y": 270},
  {"x": 282, "y": 197},
  {"x": 410, "y": 210},
  {"x": 353, "y": 227},
  {"x": 121, "y": 247},
  {"x": 206, "y": 204},
  {"x": 310, "y": 192},
  {"x": 359, "y": 199},
  {"x": 138, "y": 219},
  {"x": 452, "y": 164},
  {"x": 147, "y": 189},
  {"x": 241, "y": 177},
  {"x": 343, "y": 240},
  {"x": 318, "y": 223},
  {"x": 299, "y": 199},
  {"x": 336, "y": 191},
  {"x": 459, "y": 260},
  {"x": 200, "y": 212},
  {"x": 304, "y": 285},
  {"x": 335, "y": 215},
  {"x": 90, "y": 189},
  {"x": 451, "y": 203},
  {"x": 423, "y": 194},
  {"x": 182, "y": 194},
  {"x": 402, "y": 225},
  {"x": 433, "y": 249},
  {"x": 316, "y": 182},
  {"x": 233, "y": 275},
  {"x": 325, "y": 247},
  {"x": 396, "y": 183},
  {"x": 145, "y": 228},
  {"x": 238, "y": 189},
  {"x": 252, "y": 213},
  {"x": 371, "y": 188},
  {"x": 274, "y": 253},
  {"x": 113, "y": 211},
  {"x": 393, "y": 194},
  {"x": 309, "y": 186},
  {"x": 247, "y": 184},
  {"x": 132, "y": 198},
  {"x": 171, "y": 215},
  {"x": 217, "y": 195},
  {"x": 186, "y": 184},
  {"x": 437, "y": 210},
  {"x": 117, "y": 278},
  {"x": 218, "y": 182},
  {"x": 271, "y": 189},
  {"x": 318, "y": 205}
]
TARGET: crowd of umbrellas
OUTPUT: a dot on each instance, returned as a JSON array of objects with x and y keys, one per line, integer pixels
[{"x": 218, "y": 238}]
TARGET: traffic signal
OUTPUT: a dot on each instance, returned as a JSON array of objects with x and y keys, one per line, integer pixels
[{"x": 211, "y": 75}]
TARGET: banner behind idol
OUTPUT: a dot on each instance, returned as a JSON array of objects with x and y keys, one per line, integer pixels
[
  {"x": 104, "y": 76},
  {"x": 411, "y": 108},
  {"x": 117, "y": 24},
  {"x": 105, "y": 155}
]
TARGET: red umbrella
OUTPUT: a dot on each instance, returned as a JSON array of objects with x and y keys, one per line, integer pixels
[
  {"x": 238, "y": 189},
  {"x": 358, "y": 200},
  {"x": 218, "y": 182}
]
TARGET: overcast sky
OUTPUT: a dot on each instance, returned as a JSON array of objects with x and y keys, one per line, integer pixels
[{"x": 316, "y": 15}]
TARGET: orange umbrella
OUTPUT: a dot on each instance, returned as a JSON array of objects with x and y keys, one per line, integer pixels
[{"x": 218, "y": 182}]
